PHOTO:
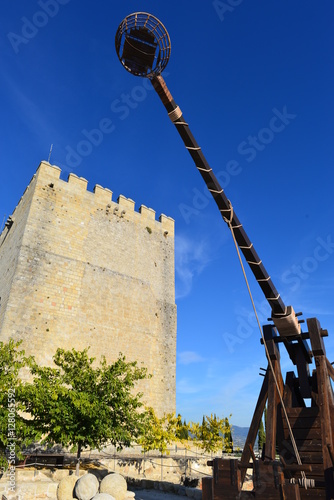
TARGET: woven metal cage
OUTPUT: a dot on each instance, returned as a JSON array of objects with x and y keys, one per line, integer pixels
[{"x": 143, "y": 44}]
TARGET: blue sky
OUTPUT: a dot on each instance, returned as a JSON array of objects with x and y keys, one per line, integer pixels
[{"x": 255, "y": 82}]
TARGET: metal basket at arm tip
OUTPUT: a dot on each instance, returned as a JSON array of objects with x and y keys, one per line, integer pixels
[{"x": 143, "y": 44}]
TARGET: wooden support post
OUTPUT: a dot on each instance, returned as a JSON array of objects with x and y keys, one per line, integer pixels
[
  {"x": 254, "y": 427},
  {"x": 324, "y": 388},
  {"x": 290, "y": 492},
  {"x": 207, "y": 488},
  {"x": 273, "y": 396},
  {"x": 330, "y": 369},
  {"x": 291, "y": 393},
  {"x": 273, "y": 402},
  {"x": 303, "y": 373}
]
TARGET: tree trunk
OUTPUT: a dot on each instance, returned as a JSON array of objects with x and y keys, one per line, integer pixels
[{"x": 77, "y": 467}]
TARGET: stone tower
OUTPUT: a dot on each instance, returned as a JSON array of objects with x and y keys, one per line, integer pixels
[{"x": 79, "y": 270}]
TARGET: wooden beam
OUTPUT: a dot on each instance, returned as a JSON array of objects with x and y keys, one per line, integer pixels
[
  {"x": 330, "y": 369},
  {"x": 303, "y": 374},
  {"x": 291, "y": 393},
  {"x": 273, "y": 395},
  {"x": 254, "y": 427},
  {"x": 290, "y": 492},
  {"x": 272, "y": 409},
  {"x": 324, "y": 388},
  {"x": 207, "y": 488},
  {"x": 317, "y": 343},
  {"x": 323, "y": 401}
]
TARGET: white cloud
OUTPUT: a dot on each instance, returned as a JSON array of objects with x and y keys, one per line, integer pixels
[
  {"x": 191, "y": 257},
  {"x": 188, "y": 357},
  {"x": 185, "y": 386},
  {"x": 221, "y": 391},
  {"x": 241, "y": 381}
]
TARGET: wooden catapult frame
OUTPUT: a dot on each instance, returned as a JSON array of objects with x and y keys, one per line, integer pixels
[{"x": 277, "y": 475}]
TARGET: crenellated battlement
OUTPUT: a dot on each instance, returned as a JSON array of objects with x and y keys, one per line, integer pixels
[
  {"x": 49, "y": 175},
  {"x": 147, "y": 213},
  {"x": 126, "y": 202},
  {"x": 124, "y": 206},
  {"x": 77, "y": 183},
  {"x": 103, "y": 195}
]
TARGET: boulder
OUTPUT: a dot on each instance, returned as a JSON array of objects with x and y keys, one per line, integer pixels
[
  {"x": 86, "y": 487},
  {"x": 115, "y": 485},
  {"x": 66, "y": 487}
]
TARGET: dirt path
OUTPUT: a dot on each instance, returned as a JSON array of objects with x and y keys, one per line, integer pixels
[{"x": 155, "y": 495}]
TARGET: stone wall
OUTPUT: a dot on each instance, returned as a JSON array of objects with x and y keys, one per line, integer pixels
[
  {"x": 78, "y": 270},
  {"x": 10, "y": 245}
]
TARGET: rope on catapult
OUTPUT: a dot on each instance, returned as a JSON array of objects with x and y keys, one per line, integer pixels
[{"x": 293, "y": 441}]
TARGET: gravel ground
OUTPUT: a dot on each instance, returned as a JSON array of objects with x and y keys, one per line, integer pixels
[{"x": 155, "y": 495}]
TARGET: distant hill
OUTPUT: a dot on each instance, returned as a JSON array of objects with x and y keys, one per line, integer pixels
[{"x": 239, "y": 436}]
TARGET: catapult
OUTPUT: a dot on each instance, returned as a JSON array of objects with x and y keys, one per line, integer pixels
[{"x": 298, "y": 458}]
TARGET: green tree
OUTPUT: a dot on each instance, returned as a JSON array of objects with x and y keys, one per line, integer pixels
[
  {"x": 228, "y": 444},
  {"x": 182, "y": 429},
  {"x": 261, "y": 437},
  {"x": 203, "y": 428},
  {"x": 158, "y": 432},
  {"x": 212, "y": 435},
  {"x": 79, "y": 405},
  {"x": 185, "y": 430},
  {"x": 265, "y": 419},
  {"x": 16, "y": 432}
]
